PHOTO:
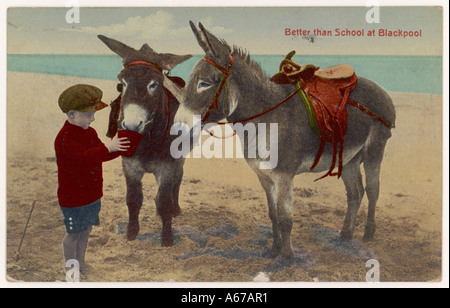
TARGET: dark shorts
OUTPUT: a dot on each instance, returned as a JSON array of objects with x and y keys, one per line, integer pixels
[{"x": 78, "y": 219}]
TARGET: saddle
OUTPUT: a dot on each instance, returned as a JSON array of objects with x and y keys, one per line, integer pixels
[{"x": 325, "y": 93}]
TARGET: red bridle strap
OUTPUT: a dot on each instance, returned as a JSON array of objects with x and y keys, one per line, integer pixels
[
  {"x": 134, "y": 63},
  {"x": 214, "y": 104},
  {"x": 226, "y": 72}
]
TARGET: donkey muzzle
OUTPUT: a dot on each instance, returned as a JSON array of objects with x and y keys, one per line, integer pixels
[{"x": 135, "y": 118}]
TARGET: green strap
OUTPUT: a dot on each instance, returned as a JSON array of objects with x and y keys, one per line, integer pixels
[{"x": 311, "y": 113}]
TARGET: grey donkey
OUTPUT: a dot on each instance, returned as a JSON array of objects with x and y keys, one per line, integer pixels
[{"x": 250, "y": 92}]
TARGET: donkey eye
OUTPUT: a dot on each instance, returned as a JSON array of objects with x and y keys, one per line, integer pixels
[
  {"x": 203, "y": 85},
  {"x": 122, "y": 86},
  {"x": 152, "y": 85}
]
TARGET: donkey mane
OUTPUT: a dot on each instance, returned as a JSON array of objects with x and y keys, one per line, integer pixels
[
  {"x": 251, "y": 73},
  {"x": 253, "y": 66},
  {"x": 244, "y": 55}
]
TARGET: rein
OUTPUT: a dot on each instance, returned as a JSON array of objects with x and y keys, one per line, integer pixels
[
  {"x": 153, "y": 65},
  {"x": 214, "y": 104}
]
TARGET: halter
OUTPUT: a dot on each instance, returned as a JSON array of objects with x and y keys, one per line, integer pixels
[
  {"x": 153, "y": 65},
  {"x": 226, "y": 72},
  {"x": 214, "y": 104},
  {"x": 134, "y": 63}
]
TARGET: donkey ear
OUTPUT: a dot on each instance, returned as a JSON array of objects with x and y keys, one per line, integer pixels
[
  {"x": 146, "y": 49},
  {"x": 169, "y": 61},
  {"x": 213, "y": 47},
  {"x": 202, "y": 40},
  {"x": 119, "y": 48}
]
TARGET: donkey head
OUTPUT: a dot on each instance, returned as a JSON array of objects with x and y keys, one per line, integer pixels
[
  {"x": 210, "y": 82},
  {"x": 144, "y": 99}
]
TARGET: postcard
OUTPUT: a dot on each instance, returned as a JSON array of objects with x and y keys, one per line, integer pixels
[{"x": 196, "y": 144}]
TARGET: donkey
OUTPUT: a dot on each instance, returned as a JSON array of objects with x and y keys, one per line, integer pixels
[
  {"x": 250, "y": 92},
  {"x": 147, "y": 107}
]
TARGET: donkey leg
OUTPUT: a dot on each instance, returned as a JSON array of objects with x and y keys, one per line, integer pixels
[
  {"x": 372, "y": 157},
  {"x": 178, "y": 177},
  {"x": 373, "y": 191},
  {"x": 168, "y": 176},
  {"x": 269, "y": 188},
  {"x": 351, "y": 175},
  {"x": 283, "y": 186},
  {"x": 372, "y": 167},
  {"x": 133, "y": 176}
]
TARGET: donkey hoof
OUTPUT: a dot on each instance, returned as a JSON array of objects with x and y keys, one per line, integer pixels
[
  {"x": 132, "y": 231},
  {"x": 286, "y": 255},
  {"x": 166, "y": 244},
  {"x": 368, "y": 236},
  {"x": 346, "y": 235},
  {"x": 176, "y": 211},
  {"x": 275, "y": 251},
  {"x": 131, "y": 237},
  {"x": 369, "y": 233},
  {"x": 167, "y": 241}
]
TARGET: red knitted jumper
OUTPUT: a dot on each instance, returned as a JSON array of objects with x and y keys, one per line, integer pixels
[{"x": 79, "y": 156}]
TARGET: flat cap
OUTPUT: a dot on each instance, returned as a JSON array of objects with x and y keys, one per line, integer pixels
[{"x": 81, "y": 97}]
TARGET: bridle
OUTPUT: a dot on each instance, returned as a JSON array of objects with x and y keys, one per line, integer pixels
[
  {"x": 168, "y": 94},
  {"x": 134, "y": 63},
  {"x": 226, "y": 73},
  {"x": 223, "y": 81}
]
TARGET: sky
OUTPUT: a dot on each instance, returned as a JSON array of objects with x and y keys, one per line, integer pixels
[{"x": 260, "y": 30}]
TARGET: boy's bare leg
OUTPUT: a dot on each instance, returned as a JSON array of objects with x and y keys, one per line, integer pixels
[
  {"x": 81, "y": 248},
  {"x": 69, "y": 247},
  {"x": 74, "y": 247}
]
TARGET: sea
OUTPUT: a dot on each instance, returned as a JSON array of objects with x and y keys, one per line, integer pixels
[{"x": 413, "y": 74}]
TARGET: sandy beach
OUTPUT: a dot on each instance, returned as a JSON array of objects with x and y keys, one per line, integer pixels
[{"x": 224, "y": 229}]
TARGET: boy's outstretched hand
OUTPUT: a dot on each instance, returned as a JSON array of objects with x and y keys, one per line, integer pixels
[{"x": 117, "y": 144}]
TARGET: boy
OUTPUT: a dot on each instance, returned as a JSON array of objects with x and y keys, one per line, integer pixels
[{"x": 79, "y": 156}]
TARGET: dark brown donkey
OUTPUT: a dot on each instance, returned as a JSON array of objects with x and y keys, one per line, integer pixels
[{"x": 148, "y": 107}]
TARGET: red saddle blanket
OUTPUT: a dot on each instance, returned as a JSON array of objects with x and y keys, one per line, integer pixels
[{"x": 328, "y": 98}]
